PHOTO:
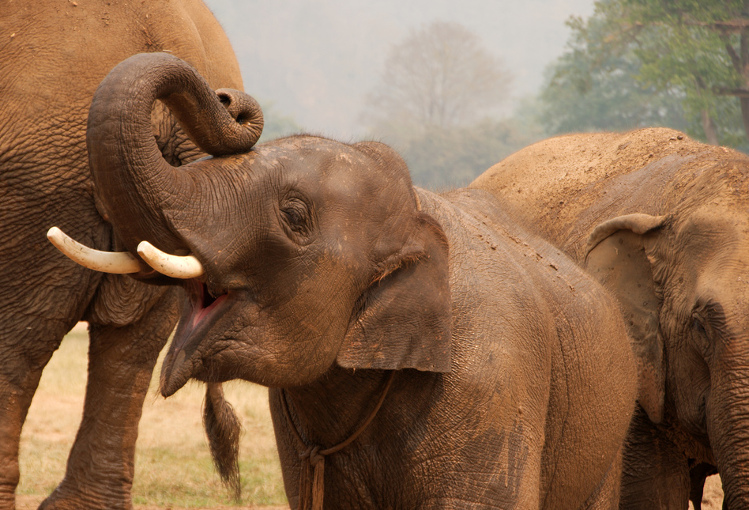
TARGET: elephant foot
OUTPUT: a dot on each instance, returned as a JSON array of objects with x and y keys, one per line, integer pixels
[{"x": 91, "y": 499}]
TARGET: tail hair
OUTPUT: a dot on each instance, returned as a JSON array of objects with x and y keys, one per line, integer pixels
[{"x": 223, "y": 428}]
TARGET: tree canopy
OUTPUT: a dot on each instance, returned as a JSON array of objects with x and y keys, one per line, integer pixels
[
  {"x": 684, "y": 64},
  {"x": 444, "y": 158},
  {"x": 440, "y": 76},
  {"x": 437, "y": 103}
]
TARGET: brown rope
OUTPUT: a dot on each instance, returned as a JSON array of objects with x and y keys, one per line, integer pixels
[{"x": 312, "y": 472}]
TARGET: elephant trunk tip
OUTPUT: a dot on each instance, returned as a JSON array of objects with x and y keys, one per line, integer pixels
[{"x": 246, "y": 111}]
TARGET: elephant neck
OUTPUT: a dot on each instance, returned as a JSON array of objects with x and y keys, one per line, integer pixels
[
  {"x": 332, "y": 413},
  {"x": 312, "y": 456},
  {"x": 304, "y": 445}
]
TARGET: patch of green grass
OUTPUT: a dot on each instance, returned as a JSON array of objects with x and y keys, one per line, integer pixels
[{"x": 173, "y": 466}]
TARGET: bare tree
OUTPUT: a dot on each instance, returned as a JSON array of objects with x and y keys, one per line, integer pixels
[{"x": 440, "y": 76}]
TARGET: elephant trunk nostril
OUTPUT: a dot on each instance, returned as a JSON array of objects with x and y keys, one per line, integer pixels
[
  {"x": 243, "y": 108},
  {"x": 224, "y": 98}
]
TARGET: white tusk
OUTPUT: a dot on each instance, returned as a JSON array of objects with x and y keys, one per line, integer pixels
[
  {"x": 104, "y": 261},
  {"x": 176, "y": 266}
]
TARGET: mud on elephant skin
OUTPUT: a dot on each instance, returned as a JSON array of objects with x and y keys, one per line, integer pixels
[
  {"x": 467, "y": 353},
  {"x": 663, "y": 221},
  {"x": 52, "y": 57}
]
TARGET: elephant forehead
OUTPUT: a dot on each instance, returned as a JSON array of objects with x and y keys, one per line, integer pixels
[
  {"x": 712, "y": 251},
  {"x": 353, "y": 192},
  {"x": 716, "y": 225},
  {"x": 712, "y": 179}
]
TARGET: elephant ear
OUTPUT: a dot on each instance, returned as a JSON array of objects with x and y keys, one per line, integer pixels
[
  {"x": 617, "y": 258},
  {"x": 405, "y": 321}
]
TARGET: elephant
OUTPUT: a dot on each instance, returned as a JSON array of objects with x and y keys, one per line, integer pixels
[
  {"x": 53, "y": 55},
  {"x": 662, "y": 221},
  {"x": 420, "y": 350}
]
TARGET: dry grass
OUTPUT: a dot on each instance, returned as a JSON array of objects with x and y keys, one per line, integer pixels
[{"x": 172, "y": 466}]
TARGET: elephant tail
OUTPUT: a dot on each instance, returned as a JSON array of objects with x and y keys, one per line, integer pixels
[{"x": 223, "y": 428}]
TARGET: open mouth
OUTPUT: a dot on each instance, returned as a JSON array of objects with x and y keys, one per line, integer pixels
[
  {"x": 204, "y": 309},
  {"x": 204, "y": 302}
]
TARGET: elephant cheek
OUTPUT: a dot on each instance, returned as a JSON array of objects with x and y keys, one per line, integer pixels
[
  {"x": 274, "y": 353},
  {"x": 286, "y": 357}
]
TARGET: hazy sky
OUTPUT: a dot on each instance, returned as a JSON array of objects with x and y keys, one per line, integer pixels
[{"x": 315, "y": 61}]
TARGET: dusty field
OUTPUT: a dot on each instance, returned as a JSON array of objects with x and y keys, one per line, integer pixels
[{"x": 173, "y": 468}]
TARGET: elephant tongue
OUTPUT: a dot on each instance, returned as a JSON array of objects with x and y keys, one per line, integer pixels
[
  {"x": 201, "y": 305},
  {"x": 202, "y": 302},
  {"x": 177, "y": 366},
  {"x": 204, "y": 305}
]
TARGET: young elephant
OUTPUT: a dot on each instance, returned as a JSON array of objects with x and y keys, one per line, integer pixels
[
  {"x": 663, "y": 221},
  {"x": 422, "y": 351}
]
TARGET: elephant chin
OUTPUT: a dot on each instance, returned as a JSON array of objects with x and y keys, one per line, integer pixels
[
  {"x": 183, "y": 360},
  {"x": 174, "y": 373}
]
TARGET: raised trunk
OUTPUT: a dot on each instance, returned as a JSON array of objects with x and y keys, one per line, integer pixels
[{"x": 137, "y": 189}]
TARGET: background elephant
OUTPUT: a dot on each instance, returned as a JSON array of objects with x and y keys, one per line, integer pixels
[
  {"x": 467, "y": 354},
  {"x": 663, "y": 221},
  {"x": 53, "y": 55}
]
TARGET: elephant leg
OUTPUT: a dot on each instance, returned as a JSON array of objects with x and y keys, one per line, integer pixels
[
  {"x": 606, "y": 496},
  {"x": 20, "y": 372},
  {"x": 656, "y": 472},
  {"x": 31, "y": 329},
  {"x": 698, "y": 474},
  {"x": 121, "y": 360}
]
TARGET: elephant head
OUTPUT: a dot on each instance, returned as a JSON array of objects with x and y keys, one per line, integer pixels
[
  {"x": 306, "y": 251},
  {"x": 683, "y": 282}
]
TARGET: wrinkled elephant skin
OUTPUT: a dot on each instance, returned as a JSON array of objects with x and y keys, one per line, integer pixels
[
  {"x": 329, "y": 278},
  {"x": 53, "y": 55},
  {"x": 663, "y": 222}
]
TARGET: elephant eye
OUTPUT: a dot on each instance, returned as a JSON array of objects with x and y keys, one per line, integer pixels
[
  {"x": 700, "y": 334},
  {"x": 296, "y": 218},
  {"x": 698, "y": 326}
]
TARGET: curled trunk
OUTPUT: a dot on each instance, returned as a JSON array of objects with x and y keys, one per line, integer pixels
[{"x": 137, "y": 189}]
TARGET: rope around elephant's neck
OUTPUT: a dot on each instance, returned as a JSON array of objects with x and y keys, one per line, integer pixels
[{"x": 312, "y": 472}]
